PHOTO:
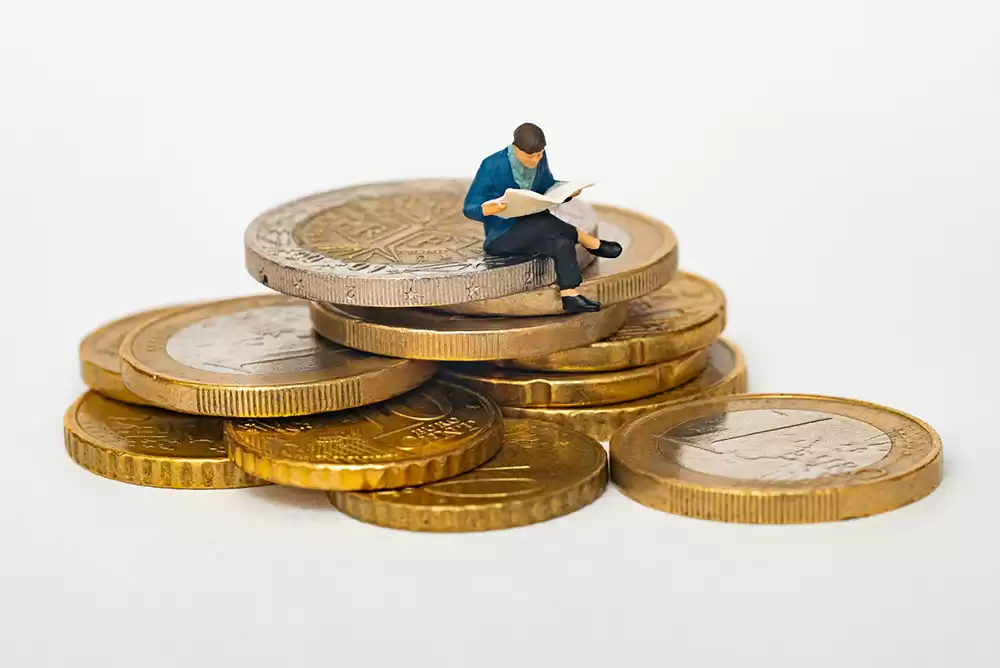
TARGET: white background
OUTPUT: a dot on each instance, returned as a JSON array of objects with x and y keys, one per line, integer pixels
[{"x": 832, "y": 165}]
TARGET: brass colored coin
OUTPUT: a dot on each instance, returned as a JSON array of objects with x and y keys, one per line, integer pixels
[
  {"x": 648, "y": 261},
  {"x": 541, "y": 472},
  {"x": 149, "y": 446},
  {"x": 776, "y": 459},
  {"x": 724, "y": 374},
  {"x": 255, "y": 357},
  {"x": 436, "y": 431},
  {"x": 404, "y": 243},
  {"x": 428, "y": 335},
  {"x": 513, "y": 387},
  {"x": 685, "y": 315}
]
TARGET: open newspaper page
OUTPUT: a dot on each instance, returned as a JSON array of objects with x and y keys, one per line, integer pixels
[{"x": 526, "y": 202}]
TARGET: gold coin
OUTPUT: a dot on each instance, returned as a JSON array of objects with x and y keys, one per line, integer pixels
[
  {"x": 724, "y": 374},
  {"x": 648, "y": 261},
  {"x": 255, "y": 357},
  {"x": 776, "y": 459},
  {"x": 428, "y": 335},
  {"x": 513, "y": 387},
  {"x": 149, "y": 446},
  {"x": 685, "y": 315},
  {"x": 541, "y": 472},
  {"x": 100, "y": 365},
  {"x": 436, "y": 431}
]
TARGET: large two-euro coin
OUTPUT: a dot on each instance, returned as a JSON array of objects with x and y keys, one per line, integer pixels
[
  {"x": 255, "y": 357},
  {"x": 685, "y": 315},
  {"x": 424, "y": 334},
  {"x": 776, "y": 459},
  {"x": 648, "y": 261},
  {"x": 404, "y": 243},
  {"x": 437, "y": 431},
  {"x": 541, "y": 472},
  {"x": 724, "y": 374},
  {"x": 149, "y": 446},
  {"x": 514, "y": 387}
]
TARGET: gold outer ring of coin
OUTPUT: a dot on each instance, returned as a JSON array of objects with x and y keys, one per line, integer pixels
[
  {"x": 648, "y": 261},
  {"x": 128, "y": 436},
  {"x": 150, "y": 372},
  {"x": 397, "y": 443},
  {"x": 518, "y": 486},
  {"x": 648, "y": 335},
  {"x": 422, "y": 334},
  {"x": 725, "y": 374},
  {"x": 904, "y": 467},
  {"x": 509, "y": 387}
]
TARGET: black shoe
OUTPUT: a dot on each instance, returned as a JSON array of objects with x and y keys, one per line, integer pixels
[
  {"x": 580, "y": 304},
  {"x": 606, "y": 249}
]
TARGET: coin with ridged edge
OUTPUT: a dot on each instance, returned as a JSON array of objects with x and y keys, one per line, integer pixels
[
  {"x": 437, "y": 431},
  {"x": 402, "y": 243},
  {"x": 724, "y": 374},
  {"x": 149, "y": 446},
  {"x": 648, "y": 261},
  {"x": 542, "y": 471},
  {"x": 513, "y": 387},
  {"x": 429, "y": 335},
  {"x": 685, "y": 315},
  {"x": 255, "y": 357},
  {"x": 776, "y": 459}
]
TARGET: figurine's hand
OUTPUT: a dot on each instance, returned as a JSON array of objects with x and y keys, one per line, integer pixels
[
  {"x": 493, "y": 208},
  {"x": 576, "y": 194}
]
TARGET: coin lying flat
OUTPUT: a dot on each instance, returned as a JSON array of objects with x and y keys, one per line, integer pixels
[
  {"x": 100, "y": 365},
  {"x": 255, "y": 357},
  {"x": 513, "y": 387},
  {"x": 149, "y": 446},
  {"x": 428, "y": 335},
  {"x": 404, "y": 243},
  {"x": 685, "y": 315},
  {"x": 648, "y": 261},
  {"x": 541, "y": 472},
  {"x": 724, "y": 374},
  {"x": 437, "y": 431},
  {"x": 776, "y": 459}
]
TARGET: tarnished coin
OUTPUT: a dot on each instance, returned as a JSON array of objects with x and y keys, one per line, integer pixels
[
  {"x": 685, "y": 315},
  {"x": 255, "y": 357},
  {"x": 436, "y": 431},
  {"x": 149, "y": 446},
  {"x": 404, "y": 243},
  {"x": 541, "y": 472},
  {"x": 513, "y": 387},
  {"x": 648, "y": 261},
  {"x": 724, "y": 374},
  {"x": 776, "y": 459},
  {"x": 100, "y": 365},
  {"x": 428, "y": 335}
]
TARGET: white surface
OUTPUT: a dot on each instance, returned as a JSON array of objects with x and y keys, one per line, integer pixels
[{"x": 834, "y": 166}]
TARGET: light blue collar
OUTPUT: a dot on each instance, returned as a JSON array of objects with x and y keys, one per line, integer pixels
[{"x": 524, "y": 177}]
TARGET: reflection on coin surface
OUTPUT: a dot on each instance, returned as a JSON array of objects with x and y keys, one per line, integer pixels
[
  {"x": 429, "y": 335},
  {"x": 724, "y": 374},
  {"x": 255, "y": 357},
  {"x": 149, "y": 446},
  {"x": 685, "y": 315},
  {"x": 436, "y": 431},
  {"x": 776, "y": 459},
  {"x": 404, "y": 243},
  {"x": 513, "y": 387},
  {"x": 541, "y": 472},
  {"x": 648, "y": 261}
]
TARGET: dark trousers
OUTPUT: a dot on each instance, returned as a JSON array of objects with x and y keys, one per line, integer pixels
[{"x": 542, "y": 234}]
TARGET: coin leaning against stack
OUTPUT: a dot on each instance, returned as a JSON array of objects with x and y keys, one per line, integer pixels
[{"x": 424, "y": 385}]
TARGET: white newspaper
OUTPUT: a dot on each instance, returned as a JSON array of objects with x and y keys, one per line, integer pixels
[{"x": 526, "y": 202}]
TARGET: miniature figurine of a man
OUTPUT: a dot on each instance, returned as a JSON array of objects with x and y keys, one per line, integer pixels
[{"x": 523, "y": 164}]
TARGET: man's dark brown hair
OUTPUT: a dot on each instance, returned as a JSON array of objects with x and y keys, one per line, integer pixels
[{"x": 529, "y": 138}]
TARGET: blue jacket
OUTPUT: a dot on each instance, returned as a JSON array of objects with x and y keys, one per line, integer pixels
[{"x": 492, "y": 180}]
